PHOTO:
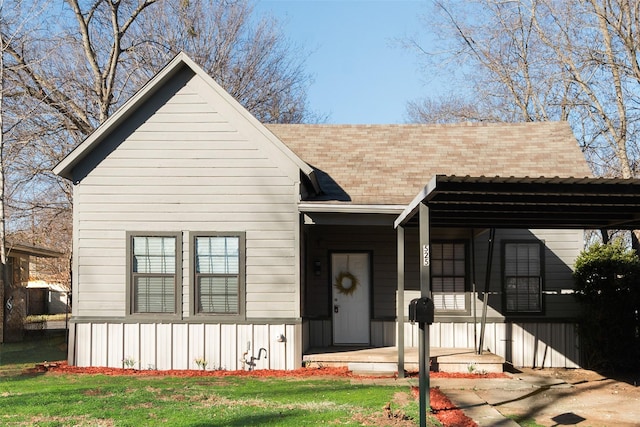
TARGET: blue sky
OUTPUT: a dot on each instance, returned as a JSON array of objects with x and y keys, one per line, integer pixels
[{"x": 360, "y": 74}]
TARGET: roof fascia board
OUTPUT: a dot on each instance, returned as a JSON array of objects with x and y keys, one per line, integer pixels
[
  {"x": 412, "y": 208},
  {"x": 36, "y": 251},
  {"x": 349, "y": 208}
]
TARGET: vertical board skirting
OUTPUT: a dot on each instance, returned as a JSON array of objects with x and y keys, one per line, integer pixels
[
  {"x": 532, "y": 345},
  {"x": 164, "y": 341},
  {"x": 72, "y": 350},
  {"x": 306, "y": 342},
  {"x": 261, "y": 341},
  {"x": 196, "y": 345},
  {"x": 132, "y": 343},
  {"x": 115, "y": 337},
  {"x": 245, "y": 345},
  {"x": 99, "y": 344},
  {"x": 383, "y": 333},
  {"x": 180, "y": 346},
  {"x": 83, "y": 335},
  {"x": 166, "y": 346},
  {"x": 213, "y": 346},
  {"x": 148, "y": 350},
  {"x": 278, "y": 350},
  {"x": 228, "y": 344},
  {"x": 289, "y": 346}
]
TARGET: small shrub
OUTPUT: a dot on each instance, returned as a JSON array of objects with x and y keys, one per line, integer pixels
[
  {"x": 201, "y": 362},
  {"x": 129, "y": 362},
  {"x": 607, "y": 280}
]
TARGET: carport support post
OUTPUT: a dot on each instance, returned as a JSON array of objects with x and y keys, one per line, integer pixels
[
  {"x": 425, "y": 291},
  {"x": 400, "y": 306}
]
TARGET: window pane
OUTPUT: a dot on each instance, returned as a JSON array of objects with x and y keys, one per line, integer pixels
[
  {"x": 436, "y": 267},
  {"x": 154, "y": 294},
  {"x": 154, "y": 254},
  {"x": 448, "y": 271},
  {"x": 447, "y": 250},
  {"x": 217, "y": 255},
  {"x": 218, "y": 294},
  {"x": 523, "y": 271}
]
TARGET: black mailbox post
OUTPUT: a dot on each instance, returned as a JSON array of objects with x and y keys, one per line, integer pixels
[{"x": 421, "y": 310}]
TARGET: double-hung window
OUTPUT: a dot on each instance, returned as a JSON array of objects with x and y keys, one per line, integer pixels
[
  {"x": 448, "y": 275},
  {"x": 219, "y": 274},
  {"x": 154, "y": 267},
  {"x": 523, "y": 274}
]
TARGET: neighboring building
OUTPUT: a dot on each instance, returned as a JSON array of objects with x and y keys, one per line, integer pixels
[
  {"x": 199, "y": 232},
  {"x": 15, "y": 296},
  {"x": 46, "y": 298}
]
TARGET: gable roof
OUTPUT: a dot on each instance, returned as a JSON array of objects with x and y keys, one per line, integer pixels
[
  {"x": 390, "y": 164},
  {"x": 178, "y": 63},
  {"x": 32, "y": 250}
]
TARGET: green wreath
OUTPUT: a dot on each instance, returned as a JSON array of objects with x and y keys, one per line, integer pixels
[{"x": 346, "y": 283}]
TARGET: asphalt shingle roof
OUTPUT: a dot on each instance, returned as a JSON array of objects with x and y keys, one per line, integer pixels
[{"x": 390, "y": 164}]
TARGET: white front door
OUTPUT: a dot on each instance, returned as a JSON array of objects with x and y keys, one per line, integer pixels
[{"x": 351, "y": 283}]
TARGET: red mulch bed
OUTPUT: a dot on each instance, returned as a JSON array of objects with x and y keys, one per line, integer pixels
[
  {"x": 62, "y": 367},
  {"x": 446, "y": 412}
]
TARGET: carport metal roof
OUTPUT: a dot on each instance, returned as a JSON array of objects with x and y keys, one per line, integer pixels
[
  {"x": 496, "y": 202},
  {"x": 512, "y": 202}
]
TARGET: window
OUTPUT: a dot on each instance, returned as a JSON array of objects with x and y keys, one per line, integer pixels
[
  {"x": 153, "y": 265},
  {"x": 448, "y": 276},
  {"x": 219, "y": 274},
  {"x": 523, "y": 270}
]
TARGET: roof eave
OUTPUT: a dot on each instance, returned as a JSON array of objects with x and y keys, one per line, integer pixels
[
  {"x": 65, "y": 167},
  {"x": 310, "y": 207}
]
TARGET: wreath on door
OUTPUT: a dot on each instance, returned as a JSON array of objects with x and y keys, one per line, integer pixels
[{"x": 346, "y": 283}]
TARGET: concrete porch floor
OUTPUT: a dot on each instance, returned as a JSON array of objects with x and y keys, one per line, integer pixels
[{"x": 385, "y": 359}]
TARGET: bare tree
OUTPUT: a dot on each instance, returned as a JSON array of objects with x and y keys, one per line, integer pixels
[
  {"x": 16, "y": 17},
  {"x": 504, "y": 68},
  {"x": 449, "y": 109},
  {"x": 530, "y": 60},
  {"x": 250, "y": 58},
  {"x": 86, "y": 57}
]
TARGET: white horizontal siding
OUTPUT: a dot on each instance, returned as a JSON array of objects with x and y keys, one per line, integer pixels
[{"x": 194, "y": 165}]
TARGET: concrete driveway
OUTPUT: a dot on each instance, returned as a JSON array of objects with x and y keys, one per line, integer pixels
[{"x": 551, "y": 397}]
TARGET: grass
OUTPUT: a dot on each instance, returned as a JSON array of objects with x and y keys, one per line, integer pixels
[
  {"x": 53, "y": 400},
  {"x": 38, "y": 346},
  {"x": 46, "y": 317}
]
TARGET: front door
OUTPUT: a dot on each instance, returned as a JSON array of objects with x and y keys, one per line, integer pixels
[{"x": 351, "y": 283}]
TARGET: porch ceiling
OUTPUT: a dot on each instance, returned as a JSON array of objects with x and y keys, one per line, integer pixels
[{"x": 496, "y": 202}]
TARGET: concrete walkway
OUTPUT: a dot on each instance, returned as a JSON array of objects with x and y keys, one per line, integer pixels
[
  {"x": 462, "y": 393},
  {"x": 551, "y": 397}
]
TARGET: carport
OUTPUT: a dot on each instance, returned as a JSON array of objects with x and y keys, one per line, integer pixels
[{"x": 510, "y": 202}]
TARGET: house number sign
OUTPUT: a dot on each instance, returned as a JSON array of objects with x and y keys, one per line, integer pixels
[{"x": 425, "y": 255}]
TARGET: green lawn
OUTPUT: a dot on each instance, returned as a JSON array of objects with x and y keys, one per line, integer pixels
[
  {"x": 38, "y": 346},
  {"x": 52, "y": 399}
]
